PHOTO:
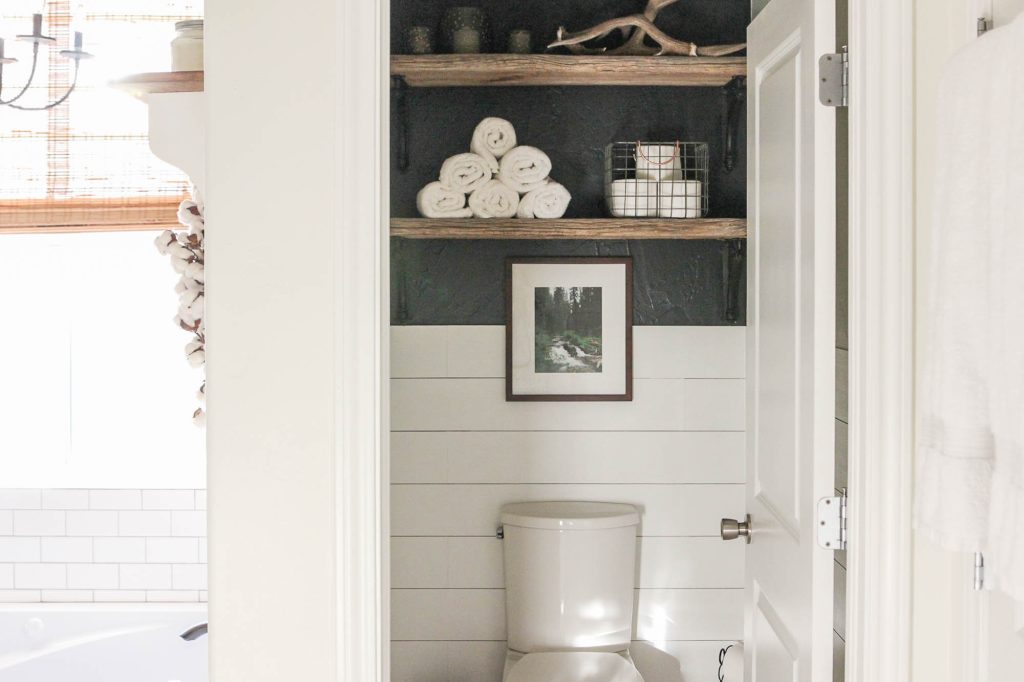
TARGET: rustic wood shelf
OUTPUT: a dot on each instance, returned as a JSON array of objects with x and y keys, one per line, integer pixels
[
  {"x": 141, "y": 85},
  {"x": 570, "y": 228},
  {"x": 459, "y": 70}
]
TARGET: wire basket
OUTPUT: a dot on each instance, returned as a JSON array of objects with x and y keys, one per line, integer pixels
[{"x": 656, "y": 179}]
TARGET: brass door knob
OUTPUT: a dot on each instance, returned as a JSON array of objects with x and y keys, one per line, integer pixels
[{"x": 732, "y": 529}]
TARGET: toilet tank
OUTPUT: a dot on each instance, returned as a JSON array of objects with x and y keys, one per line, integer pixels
[{"x": 569, "y": 570}]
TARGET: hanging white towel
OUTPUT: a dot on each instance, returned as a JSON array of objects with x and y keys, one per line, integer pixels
[
  {"x": 464, "y": 173},
  {"x": 970, "y": 480},
  {"x": 492, "y": 139},
  {"x": 434, "y": 201}
]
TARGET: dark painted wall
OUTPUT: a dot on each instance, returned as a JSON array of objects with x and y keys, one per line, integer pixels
[{"x": 462, "y": 282}]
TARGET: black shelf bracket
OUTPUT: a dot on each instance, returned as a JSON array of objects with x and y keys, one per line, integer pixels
[
  {"x": 735, "y": 92},
  {"x": 735, "y": 264},
  {"x": 400, "y": 105}
]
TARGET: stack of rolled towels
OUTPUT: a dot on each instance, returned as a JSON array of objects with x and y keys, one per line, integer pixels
[
  {"x": 658, "y": 190},
  {"x": 495, "y": 179}
]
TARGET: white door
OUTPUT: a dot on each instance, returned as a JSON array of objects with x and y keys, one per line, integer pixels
[{"x": 790, "y": 343}]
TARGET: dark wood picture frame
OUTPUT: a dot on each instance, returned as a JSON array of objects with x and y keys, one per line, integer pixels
[{"x": 627, "y": 261}]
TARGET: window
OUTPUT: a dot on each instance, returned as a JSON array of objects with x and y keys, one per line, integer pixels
[{"x": 94, "y": 387}]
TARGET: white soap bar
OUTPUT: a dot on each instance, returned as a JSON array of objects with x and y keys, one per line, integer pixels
[
  {"x": 679, "y": 199},
  {"x": 633, "y": 199}
]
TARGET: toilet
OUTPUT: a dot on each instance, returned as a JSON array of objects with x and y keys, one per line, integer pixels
[{"x": 569, "y": 570}]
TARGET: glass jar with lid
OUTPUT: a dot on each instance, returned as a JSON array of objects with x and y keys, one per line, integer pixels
[{"x": 187, "y": 46}]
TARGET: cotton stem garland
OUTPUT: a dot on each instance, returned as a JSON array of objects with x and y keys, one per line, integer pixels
[{"x": 186, "y": 251}]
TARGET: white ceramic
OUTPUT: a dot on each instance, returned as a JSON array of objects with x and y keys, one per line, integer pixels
[
  {"x": 633, "y": 198},
  {"x": 679, "y": 199},
  {"x": 569, "y": 571},
  {"x": 187, "y": 46}
]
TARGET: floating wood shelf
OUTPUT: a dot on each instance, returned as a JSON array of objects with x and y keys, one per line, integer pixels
[
  {"x": 570, "y": 228},
  {"x": 449, "y": 70},
  {"x": 141, "y": 85}
]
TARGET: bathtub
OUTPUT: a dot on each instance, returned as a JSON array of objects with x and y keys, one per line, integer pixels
[{"x": 101, "y": 643}]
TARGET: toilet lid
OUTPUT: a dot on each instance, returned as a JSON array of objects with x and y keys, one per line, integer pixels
[{"x": 574, "y": 666}]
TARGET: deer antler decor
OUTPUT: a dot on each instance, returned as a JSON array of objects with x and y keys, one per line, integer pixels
[{"x": 636, "y": 41}]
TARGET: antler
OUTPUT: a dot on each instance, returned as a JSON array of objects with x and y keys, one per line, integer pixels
[{"x": 668, "y": 44}]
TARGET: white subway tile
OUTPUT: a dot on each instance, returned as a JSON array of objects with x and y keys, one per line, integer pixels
[
  {"x": 19, "y": 550},
  {"x": 93, "y": 576},
  {"x": 19, "y": 596},
  {"x": 92, "y": 523},
  {"x": 6, "y": 522},
  {"x": 40, "y": 576},
  {"x": 202, "y": 551},
  {"x": 189, "y": 577},
  {"x": 20, "y": 498},
  {"x": 191, "y": 523},
  {"x": 6, "y": 577},
  {"x": 66, "y": 596},
  {"x": 145, "y": 576},
  {"x": 115, "y": 499},
  {"x": 119, "y": 596},
  {"x": 120, "y": 550},
  {"x": 172, "y": 550},
  {"x": 168, "y": 499},
  {"x": 67, "y": 550},
  {"x": 144, "y": 523},
  {"x": 172, "y": 596},
  {"x": 39, "y": 522},
  {"x": 65, "y": 499},
  {"x": 200, "y": 499}
]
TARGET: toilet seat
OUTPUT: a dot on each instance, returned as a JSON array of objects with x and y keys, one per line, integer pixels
[{"x": 573, "y": 666}]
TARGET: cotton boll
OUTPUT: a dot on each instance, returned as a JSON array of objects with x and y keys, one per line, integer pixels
[
  {"x": 196, "y": 308},
  {"x": 196, "y": 271},
  {"x": 201, "y": 393},
  {"x": 163, "y": 241},
  {"x": 192, "y": 347},
  {"x": 181, "y": 286},
  {"x": 199, "y": 418},
  {"x": 179, "y": 264},
  {"x": 197, "y": 359}
]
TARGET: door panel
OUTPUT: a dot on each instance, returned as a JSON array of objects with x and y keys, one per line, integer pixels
[{"x": 791, "y": 343}]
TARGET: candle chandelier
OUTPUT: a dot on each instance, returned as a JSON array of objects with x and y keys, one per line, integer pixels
[{"x": 37, "y": 38}]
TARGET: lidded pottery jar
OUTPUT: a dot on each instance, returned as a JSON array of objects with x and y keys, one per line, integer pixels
[{"x": 187, "y": 46}]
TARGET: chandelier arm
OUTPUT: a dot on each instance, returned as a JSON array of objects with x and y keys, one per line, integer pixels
[
  {"x": 67, "y": 94},
  {"x": 28, "y": 83}
]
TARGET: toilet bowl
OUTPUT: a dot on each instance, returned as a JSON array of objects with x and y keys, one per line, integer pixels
[{"x": 569, "y": 572}]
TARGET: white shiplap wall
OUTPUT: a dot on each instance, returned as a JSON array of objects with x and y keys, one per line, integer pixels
[{"x": 459, "y": 452}]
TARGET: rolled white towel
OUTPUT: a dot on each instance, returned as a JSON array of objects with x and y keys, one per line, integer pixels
[
  {"x": 524, "y": 168},
  {"x": 679, "y": 199},
  {"x": 494, "y": 200},
  {"x": 549, "y": 201},
  {"x": 434, "y": 201},
  {"x": 633, "y": 198},
  {"x": 464, "y": 173},
  {"x": 658, "y": 162},
  {"x": 492, "y": 139}
]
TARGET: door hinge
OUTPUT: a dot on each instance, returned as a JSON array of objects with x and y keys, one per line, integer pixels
[
  {"x": 832, "y": 522},
  {"x": 834, "y": 79}
]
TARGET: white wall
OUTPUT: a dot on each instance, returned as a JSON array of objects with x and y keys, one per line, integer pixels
[
  {"x": 459, "y": 451},
  {"x": 272, "y": 182},
  {"x": 102, "y": 545}
]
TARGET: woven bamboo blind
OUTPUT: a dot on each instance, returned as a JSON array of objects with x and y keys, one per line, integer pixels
[{"x": 86, "y": 165}]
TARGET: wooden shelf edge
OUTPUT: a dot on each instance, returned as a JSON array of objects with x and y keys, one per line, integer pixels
[
  {"x": 570, "y": 228},
  {"x": 141, "y": 85},
  {"x": 447, "y": 70}
]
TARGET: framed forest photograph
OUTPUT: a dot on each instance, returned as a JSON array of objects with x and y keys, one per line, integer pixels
[{"x": 569, "y": 330}]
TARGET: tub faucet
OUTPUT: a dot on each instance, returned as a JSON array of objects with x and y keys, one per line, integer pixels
[{"x": 194, "y": 632}]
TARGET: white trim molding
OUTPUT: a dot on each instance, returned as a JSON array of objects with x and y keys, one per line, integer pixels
[
  {"x": 361, "y": 342},
  {"x": 881, "y": 341}
]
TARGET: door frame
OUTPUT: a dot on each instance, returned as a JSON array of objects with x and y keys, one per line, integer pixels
[{"x": 880, "y": 329}]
